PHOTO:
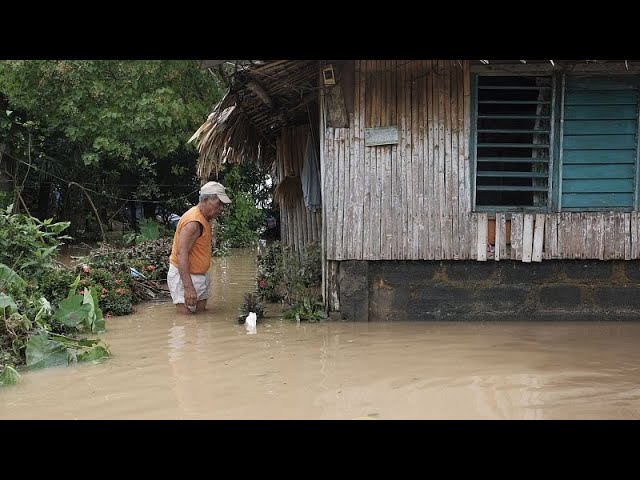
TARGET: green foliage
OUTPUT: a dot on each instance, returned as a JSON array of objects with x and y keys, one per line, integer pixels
[
  {"x": 113, "y": 108},
  {"x": 308, "y": 310},
  {"x": 108, "y": 270},
  {"x": 9, "y": 277},
  {"x": 150, "y": 257},
  {"x": 270, "y": 272},
  {"x": 28, "y": 244},
  {"x": 54, "y": 284},
  {"x": 36, "y": 344},
  {"x": 285, "y": 275},
  {"x": 47, "y": 350},
  {"x": 9, "y": 375},
  {"x": 81, "y": 311},
  {"x": 117, "y": 127},
  {"x": 249, "y": 178},
  {"x": 149, "y": 230},
  {"x": 43, "y": 351},
  {"x": 5, "y": 200},
  {"x": 7, "y": 305},
  {"x": 30, "y": 327},
  {"x": 113, "y": 287},
  {"x": 295, "y": 279},
  {"x": 241, "y": 221}
]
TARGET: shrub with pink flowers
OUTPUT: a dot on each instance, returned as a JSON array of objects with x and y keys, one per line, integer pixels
[{"x": 115, "y": 289}]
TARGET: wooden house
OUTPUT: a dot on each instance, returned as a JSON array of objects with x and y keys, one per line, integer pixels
[{"x": 452, "y": 189}]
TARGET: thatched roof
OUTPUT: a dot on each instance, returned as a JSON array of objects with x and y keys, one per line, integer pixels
[{"x": 261, "y": 100}]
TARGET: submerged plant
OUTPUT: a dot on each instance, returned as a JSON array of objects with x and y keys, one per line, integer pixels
[
  {"x": 251, "y": 303},
  {"x": 308, "y": 310}
]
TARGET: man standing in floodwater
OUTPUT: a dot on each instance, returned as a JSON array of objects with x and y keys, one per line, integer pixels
[{"x": 188, "y": 278}]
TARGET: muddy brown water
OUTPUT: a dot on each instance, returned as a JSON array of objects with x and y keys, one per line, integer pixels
[{"x": 167, "y": 366}]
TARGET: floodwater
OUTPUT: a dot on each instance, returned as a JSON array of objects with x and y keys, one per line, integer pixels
[{"x": 167, "y": 366}]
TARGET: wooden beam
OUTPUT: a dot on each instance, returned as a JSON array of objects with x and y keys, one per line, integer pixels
[{"x": 545, "y": 69}]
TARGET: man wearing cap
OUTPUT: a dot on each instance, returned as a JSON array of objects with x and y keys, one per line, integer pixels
[{"x": 188, "y": 277}]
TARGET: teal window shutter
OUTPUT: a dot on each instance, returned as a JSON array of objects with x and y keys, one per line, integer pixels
[{"x": 599, "y": 144}]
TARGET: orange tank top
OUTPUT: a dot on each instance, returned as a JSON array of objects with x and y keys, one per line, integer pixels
[{"x": 200, "y": 255}]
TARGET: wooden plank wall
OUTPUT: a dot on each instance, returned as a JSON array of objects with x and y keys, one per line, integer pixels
[
  {"x": 298, "y": 225},
  {"x": 412, "y": 200},
  {"x": 572, "y": 235}
]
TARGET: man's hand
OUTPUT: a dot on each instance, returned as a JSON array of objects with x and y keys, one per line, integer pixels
[{"x": 190, "y": 297}]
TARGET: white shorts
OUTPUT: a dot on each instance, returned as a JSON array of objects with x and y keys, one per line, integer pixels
[{"x": 202, "y": 284}]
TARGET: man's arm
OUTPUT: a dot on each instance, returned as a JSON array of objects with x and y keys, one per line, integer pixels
[{"x": 188, "y": 236}]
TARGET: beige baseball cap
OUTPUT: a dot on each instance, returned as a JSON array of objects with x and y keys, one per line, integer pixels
[{"x": 215, "y": 188}]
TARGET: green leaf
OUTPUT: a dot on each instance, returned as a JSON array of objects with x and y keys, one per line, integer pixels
[
  {"x": 95, "y": 319},
  {"x": 9, "y": 277},
  {"x": 59, "y": 227},
  {"x": 74, "y": 287},
  {"x": 94, "y": 353},
  {"x": 9, "y": 376},
  {"x": 71, "y": 311},
  {"x": 88, "y": 342},
  {"x": 43, "y": 352},
  {"x": 149, "y": 229},
  {"x": 7, "y": 302}
]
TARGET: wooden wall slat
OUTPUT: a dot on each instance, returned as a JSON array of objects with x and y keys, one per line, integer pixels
[
  {"x": 431, "y": 196},
  {"x": 450, "y": 190},
  {"x": 416, "y": 166},
  {"x": 517, "y": 223},
  {"x": 527, "y": 238},
  {"x": 482, "y": 237},
  {"x": 375, "y": 203},
  {"x": 627, "y": 235},
  {"x": 634, "y": 236},
  {"x": 388, "y": 234},
  {"x": 454, "y": 76},
  {"x": 424, "y": 184},
  {"x": 538, "y": 237}
]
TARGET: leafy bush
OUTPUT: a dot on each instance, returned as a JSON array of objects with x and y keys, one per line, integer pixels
[
  {"x": 54, "y": 284},
  {"x": 149, "y": 230},
  {"x": 241, "y": 221},
  {"x": 29, "y": 244},
  {"x": 109, "y": 270},
  {"x": 285, "y": 275},
  {"x": 114, "y": 290},
  {"x": 5, "y": 199},
  {"x": 309, "y": 310},
  {"x": 270, "y": 267},
  {"x": 34, "y": 333},
  {"x": 151, "y": 258}
]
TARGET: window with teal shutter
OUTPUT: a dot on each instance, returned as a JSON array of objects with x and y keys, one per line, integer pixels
[{"x": 599, "y": 144}]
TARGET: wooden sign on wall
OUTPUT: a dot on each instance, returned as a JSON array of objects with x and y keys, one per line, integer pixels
[{"x": 381, "y": 136}]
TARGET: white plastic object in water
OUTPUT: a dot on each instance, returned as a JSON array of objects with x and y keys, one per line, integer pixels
[{"x": 250, "y": 323}]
